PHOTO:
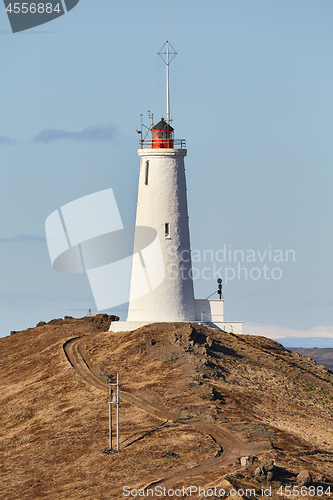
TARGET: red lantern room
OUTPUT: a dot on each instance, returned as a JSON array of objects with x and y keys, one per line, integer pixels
[{"x": 162, "y": 135}]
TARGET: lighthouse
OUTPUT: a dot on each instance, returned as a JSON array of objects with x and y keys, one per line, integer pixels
[
  {"x": 162, "y": 205},
  {"x": 161, "y": 281}
]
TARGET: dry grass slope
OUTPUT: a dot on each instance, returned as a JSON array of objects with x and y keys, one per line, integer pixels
[
  {"x": 322, "y": 356},
  {"x": 210, "y": 397}
]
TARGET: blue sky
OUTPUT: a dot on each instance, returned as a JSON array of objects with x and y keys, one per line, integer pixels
[{"x": 251, "y": 91}]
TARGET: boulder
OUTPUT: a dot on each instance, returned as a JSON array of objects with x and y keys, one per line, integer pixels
[
  {"x": 170, "y": 454},
  {"x": 247, "y": 460},
  {"x": 265, "y": 472},
  {"x": 209, "y": 341},
  {"x": 320, "y": 479},
  {"x": 304, "y": 478}
]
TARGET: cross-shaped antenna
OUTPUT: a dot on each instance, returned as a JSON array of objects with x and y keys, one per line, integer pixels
[
  {"x": 167, "y": 54},
  {"x": 111, "y": 377}
]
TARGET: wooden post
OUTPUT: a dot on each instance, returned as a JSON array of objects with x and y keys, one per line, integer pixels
[
  {"x": 117, "y": 411},
  {"x": 112, "y": 379},
  {"x": 110, "y": 417}
]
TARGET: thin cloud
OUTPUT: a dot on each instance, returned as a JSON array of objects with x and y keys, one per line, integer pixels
[
  {"x": 319, "y": 301},
  {"x": 19, "y": 299},
  {"x": 283, "y": 333},
  {"x": 104, "y": 132},
  {"x": 22, "y": 238},
  {"x": 7, "y": 141}
]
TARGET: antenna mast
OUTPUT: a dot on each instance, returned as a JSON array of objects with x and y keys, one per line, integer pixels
[
  {"x": 167, "y": 56},
  {"x": 167, "y": 83}
]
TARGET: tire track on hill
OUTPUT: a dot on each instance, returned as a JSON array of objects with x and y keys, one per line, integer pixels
[
  {"x": 76, "y": 355},
  {"x": 231, "y": 446}
]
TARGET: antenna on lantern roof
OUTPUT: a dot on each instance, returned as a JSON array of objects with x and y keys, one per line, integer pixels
[{"x": 167, "y": 54}]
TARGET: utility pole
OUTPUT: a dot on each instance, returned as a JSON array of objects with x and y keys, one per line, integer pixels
[{"x": 113, "y": 383}]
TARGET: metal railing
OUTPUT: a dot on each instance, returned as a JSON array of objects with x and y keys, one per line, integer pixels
[{"x": 163, "y": 143}]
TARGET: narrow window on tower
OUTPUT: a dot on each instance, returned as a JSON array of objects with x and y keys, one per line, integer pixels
[
  {"x": 167, "y": 230},
  {"x": 147, "y": 173}
]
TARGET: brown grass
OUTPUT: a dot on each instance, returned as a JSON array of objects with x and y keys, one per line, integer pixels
[{"x": 54, "y": 425}]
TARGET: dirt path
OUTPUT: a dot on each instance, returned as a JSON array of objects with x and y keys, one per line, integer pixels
[
  {"x": 76, "y": 355},
  {"x": 231, "y": 446}
]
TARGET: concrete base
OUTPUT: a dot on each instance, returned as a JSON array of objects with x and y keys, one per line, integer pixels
[
  {"x": 129, "y": 326},
  {"x": 229, "y": 326}
]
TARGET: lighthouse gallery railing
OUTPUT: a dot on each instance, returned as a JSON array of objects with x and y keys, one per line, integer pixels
[{"x": 164, "y": 143}]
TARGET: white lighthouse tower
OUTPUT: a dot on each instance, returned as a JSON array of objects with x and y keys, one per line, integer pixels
[
  {"x": 162, "y": 205},
  {"x": 161, "y": 282}
]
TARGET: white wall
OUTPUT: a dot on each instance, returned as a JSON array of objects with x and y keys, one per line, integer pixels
[
  {"x": 209, "y": 310},
  {"x": 163, "y": 200}
]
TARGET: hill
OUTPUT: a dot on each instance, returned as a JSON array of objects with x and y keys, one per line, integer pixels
[
  {"x": 322, "y": 356},
  {"x": 194, "y": 401}
]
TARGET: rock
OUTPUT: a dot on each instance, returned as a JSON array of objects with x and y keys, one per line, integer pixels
[
  {"x": 171, "y": 454},
  {"x": 209, "y": 341},
  {"x": 304, "y": 478},
  {"x": 239, "y": 475},
  {"x": 259, "y": 472},
  {"x": 247, "y": 460},
  {"x": 41, "y": 323},
  {"x": 13, "y": 332},
  {"x": 208, "y": 392},
  {"x": 55, "y": 321},
  {"x": 194, "y": 383},
  {"x": 225, "y": 484},
  {"x": 265, "y": 472},
  {"x": 114, "y": 318},
  {"x": 270, "y": 476},
  {"x": 320, "y": 479},
  {"x": 109, "y": 451},
  {"x": 104, "y": 316}
]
